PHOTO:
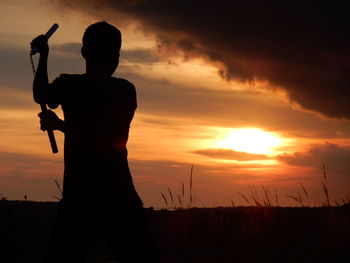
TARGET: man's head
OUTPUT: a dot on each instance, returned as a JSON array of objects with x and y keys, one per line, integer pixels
[{"x": 101, "y": 46}]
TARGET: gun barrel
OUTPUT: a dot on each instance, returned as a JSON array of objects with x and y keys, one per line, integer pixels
[{"x": 48, "y": 34}]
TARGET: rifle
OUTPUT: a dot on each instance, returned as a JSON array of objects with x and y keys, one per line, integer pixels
[{"x": 43, "y": 105}]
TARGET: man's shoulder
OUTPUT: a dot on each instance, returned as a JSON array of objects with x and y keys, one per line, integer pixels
[
  {"x": 123, "y": 82},
  {"x": 127, "y": 88}
]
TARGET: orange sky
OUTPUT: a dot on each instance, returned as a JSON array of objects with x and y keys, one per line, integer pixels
[{"x": 237, "y": 134}]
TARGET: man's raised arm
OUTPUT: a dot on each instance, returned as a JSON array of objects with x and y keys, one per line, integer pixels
[{"x": 41, "y": 81}]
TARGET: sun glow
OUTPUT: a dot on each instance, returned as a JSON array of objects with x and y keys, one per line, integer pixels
[{"x": 251, "y": 140}]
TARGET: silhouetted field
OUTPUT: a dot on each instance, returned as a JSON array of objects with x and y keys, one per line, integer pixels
[{"x": 239, "y": 234}]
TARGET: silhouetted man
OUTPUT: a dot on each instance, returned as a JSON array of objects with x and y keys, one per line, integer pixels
[{"x": 99, "y": 198}]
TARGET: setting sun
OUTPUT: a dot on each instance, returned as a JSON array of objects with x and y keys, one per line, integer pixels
[
  {"x": 251, "y": 140},
  {"x": 240, "y": 112}
]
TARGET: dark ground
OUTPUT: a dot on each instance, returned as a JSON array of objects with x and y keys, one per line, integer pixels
[{"x": 241, "y": 234}]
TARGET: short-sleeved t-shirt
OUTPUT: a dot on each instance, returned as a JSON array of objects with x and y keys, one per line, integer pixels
[{"x": 97, "y": 116}]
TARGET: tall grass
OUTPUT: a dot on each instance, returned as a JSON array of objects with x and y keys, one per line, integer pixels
[
  {"x": 325, "y": 187},
  {"x": 181, "y": 201},
  {"x": 265, "y": 198},
  {"x": 59, "y": 191},
  {"x": 191, "y": 174},
  {"x": 304, "y": 198}
]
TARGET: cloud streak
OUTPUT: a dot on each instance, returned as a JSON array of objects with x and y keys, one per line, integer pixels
[
  {"x": 226, "y": 154},
  {"x": 137, "y": 55}
]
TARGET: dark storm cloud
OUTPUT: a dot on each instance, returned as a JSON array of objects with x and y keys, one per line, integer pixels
[
  {"x": 231, "y": 155},
  {"x": 294, "y": 45}
]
